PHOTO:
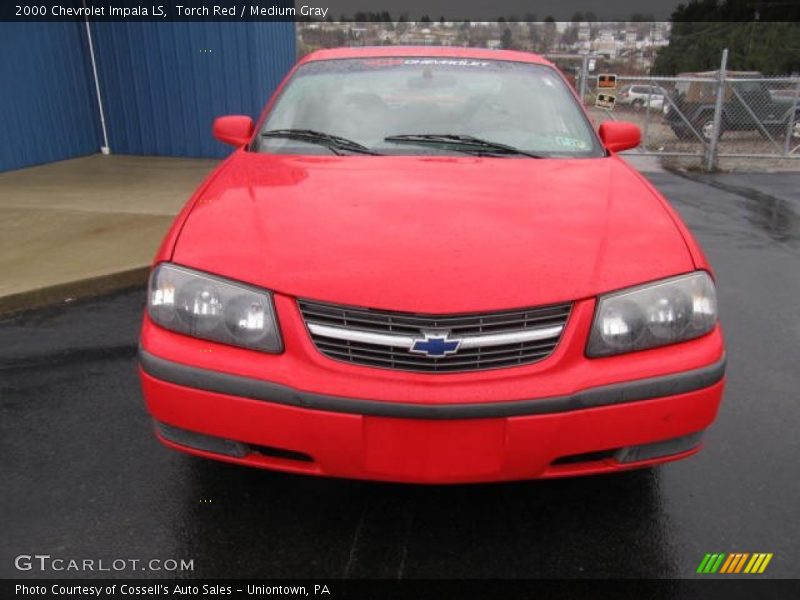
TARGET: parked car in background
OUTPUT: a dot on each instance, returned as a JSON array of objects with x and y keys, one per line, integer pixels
[
  {"x": 638, "y": 96},
  {"x": 753, "y": 107}
]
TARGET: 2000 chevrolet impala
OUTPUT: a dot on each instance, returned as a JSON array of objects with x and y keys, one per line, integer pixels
[{"x": 424, "y": 265}]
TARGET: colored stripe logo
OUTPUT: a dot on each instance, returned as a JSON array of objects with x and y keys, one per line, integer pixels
[{"x": 737, "y": 562}]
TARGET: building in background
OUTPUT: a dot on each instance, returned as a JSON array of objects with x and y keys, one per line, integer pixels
[
  {"x": 631, "y": 44},
  {"x": 161, "y": 85}
]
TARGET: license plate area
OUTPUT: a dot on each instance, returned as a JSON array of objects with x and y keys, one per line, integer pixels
[{"x": 434, "y": 449}]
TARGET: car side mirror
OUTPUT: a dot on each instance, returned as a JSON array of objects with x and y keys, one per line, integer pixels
[
  {"x": 235, "y": 130},
  {"x": 620, "y": 135}
]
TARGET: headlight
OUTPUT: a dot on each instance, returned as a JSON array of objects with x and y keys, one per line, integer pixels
[
  {"x": 656, "y": 314},
  {"x": 212, "y": 308}
]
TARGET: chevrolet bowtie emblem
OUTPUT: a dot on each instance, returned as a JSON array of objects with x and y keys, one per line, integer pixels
[{"x": 435, "y": 344}]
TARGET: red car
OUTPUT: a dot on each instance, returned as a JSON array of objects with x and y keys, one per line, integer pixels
[{"x": 424, "y": 265}]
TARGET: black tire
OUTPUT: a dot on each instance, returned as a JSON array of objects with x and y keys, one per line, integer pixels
[
  {"x": 637, "y": 105},
  {"x": 779, "y": 133},
  {"x": 683, "y": 133}
]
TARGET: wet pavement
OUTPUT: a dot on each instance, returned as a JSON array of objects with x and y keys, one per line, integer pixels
[{"x": 83, "y": 476}]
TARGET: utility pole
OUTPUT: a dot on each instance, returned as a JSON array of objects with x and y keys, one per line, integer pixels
[{"x": 584, "y": 77}]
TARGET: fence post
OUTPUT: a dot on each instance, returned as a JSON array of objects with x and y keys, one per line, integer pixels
[
  {"x": 646, "y": 131},
  {"x": 792, "y": 121},
  {"x": 712, "y": 147}
]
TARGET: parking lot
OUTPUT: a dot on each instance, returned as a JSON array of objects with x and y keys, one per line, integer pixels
[
  {"x": 91, "y": 481},
  {"x": 759, "y": 119}
]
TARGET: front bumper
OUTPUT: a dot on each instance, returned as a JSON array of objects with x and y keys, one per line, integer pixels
[
  {"x": 616, "y": 431},
  {"x": 305, "y": 413}
]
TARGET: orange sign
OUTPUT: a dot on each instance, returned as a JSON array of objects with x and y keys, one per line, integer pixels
[{"x": 606, "y": 81}]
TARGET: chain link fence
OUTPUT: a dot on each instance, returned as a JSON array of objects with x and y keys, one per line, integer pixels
[{"x": 707, "y": 116}]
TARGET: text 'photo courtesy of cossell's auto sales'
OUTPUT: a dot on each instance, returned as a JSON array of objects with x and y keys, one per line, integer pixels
[{"x": 176, "y": 590}]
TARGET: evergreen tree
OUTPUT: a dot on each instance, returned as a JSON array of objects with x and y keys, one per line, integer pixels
[{"x": 759, "y": 36}]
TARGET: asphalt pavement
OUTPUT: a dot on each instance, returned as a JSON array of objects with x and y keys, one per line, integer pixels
[{"x": 83, "y": 477}]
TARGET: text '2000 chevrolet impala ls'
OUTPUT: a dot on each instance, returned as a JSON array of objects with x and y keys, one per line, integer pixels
[{"x": 424, "y": 265}]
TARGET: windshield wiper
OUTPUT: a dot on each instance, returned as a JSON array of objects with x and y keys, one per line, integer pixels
[
  {"x": 460, "y": 143},
  {"x": 334, "y": 142}
]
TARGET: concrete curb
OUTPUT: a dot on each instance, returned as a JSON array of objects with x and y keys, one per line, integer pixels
[{"x": 73, "y": 290}]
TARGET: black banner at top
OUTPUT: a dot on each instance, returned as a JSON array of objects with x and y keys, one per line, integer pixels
[{"x": 394, "y": 10}]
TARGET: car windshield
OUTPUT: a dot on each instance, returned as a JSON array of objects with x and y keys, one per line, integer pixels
[{"x": 439, "y": 105}]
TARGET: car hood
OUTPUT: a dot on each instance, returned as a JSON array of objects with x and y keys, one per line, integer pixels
[{"x": 431, "y": 234}]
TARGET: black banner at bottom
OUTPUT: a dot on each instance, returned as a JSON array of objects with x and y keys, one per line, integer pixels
[{"x": 336, "y": 589}]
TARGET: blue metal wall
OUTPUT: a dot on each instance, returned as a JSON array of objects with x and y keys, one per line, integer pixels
[
  {"x": 47, "y": 102},
  {"x": 163, "y": 83}
]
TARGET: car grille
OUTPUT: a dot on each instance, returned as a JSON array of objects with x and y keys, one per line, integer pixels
[{"x": 348, "y": 321}]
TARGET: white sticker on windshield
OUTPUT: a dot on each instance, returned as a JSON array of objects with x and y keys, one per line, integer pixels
[{"x": 450, "y": 62}]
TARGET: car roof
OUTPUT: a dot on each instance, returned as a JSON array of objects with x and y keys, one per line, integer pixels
[
  {"x": 427, "y": 51},
  {"x": 727, "y": 74}
]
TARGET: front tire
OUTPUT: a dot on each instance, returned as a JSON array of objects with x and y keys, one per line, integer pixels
[
  {"x": 683, "y": 133},
  {"x": 779, "y": 133}
]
